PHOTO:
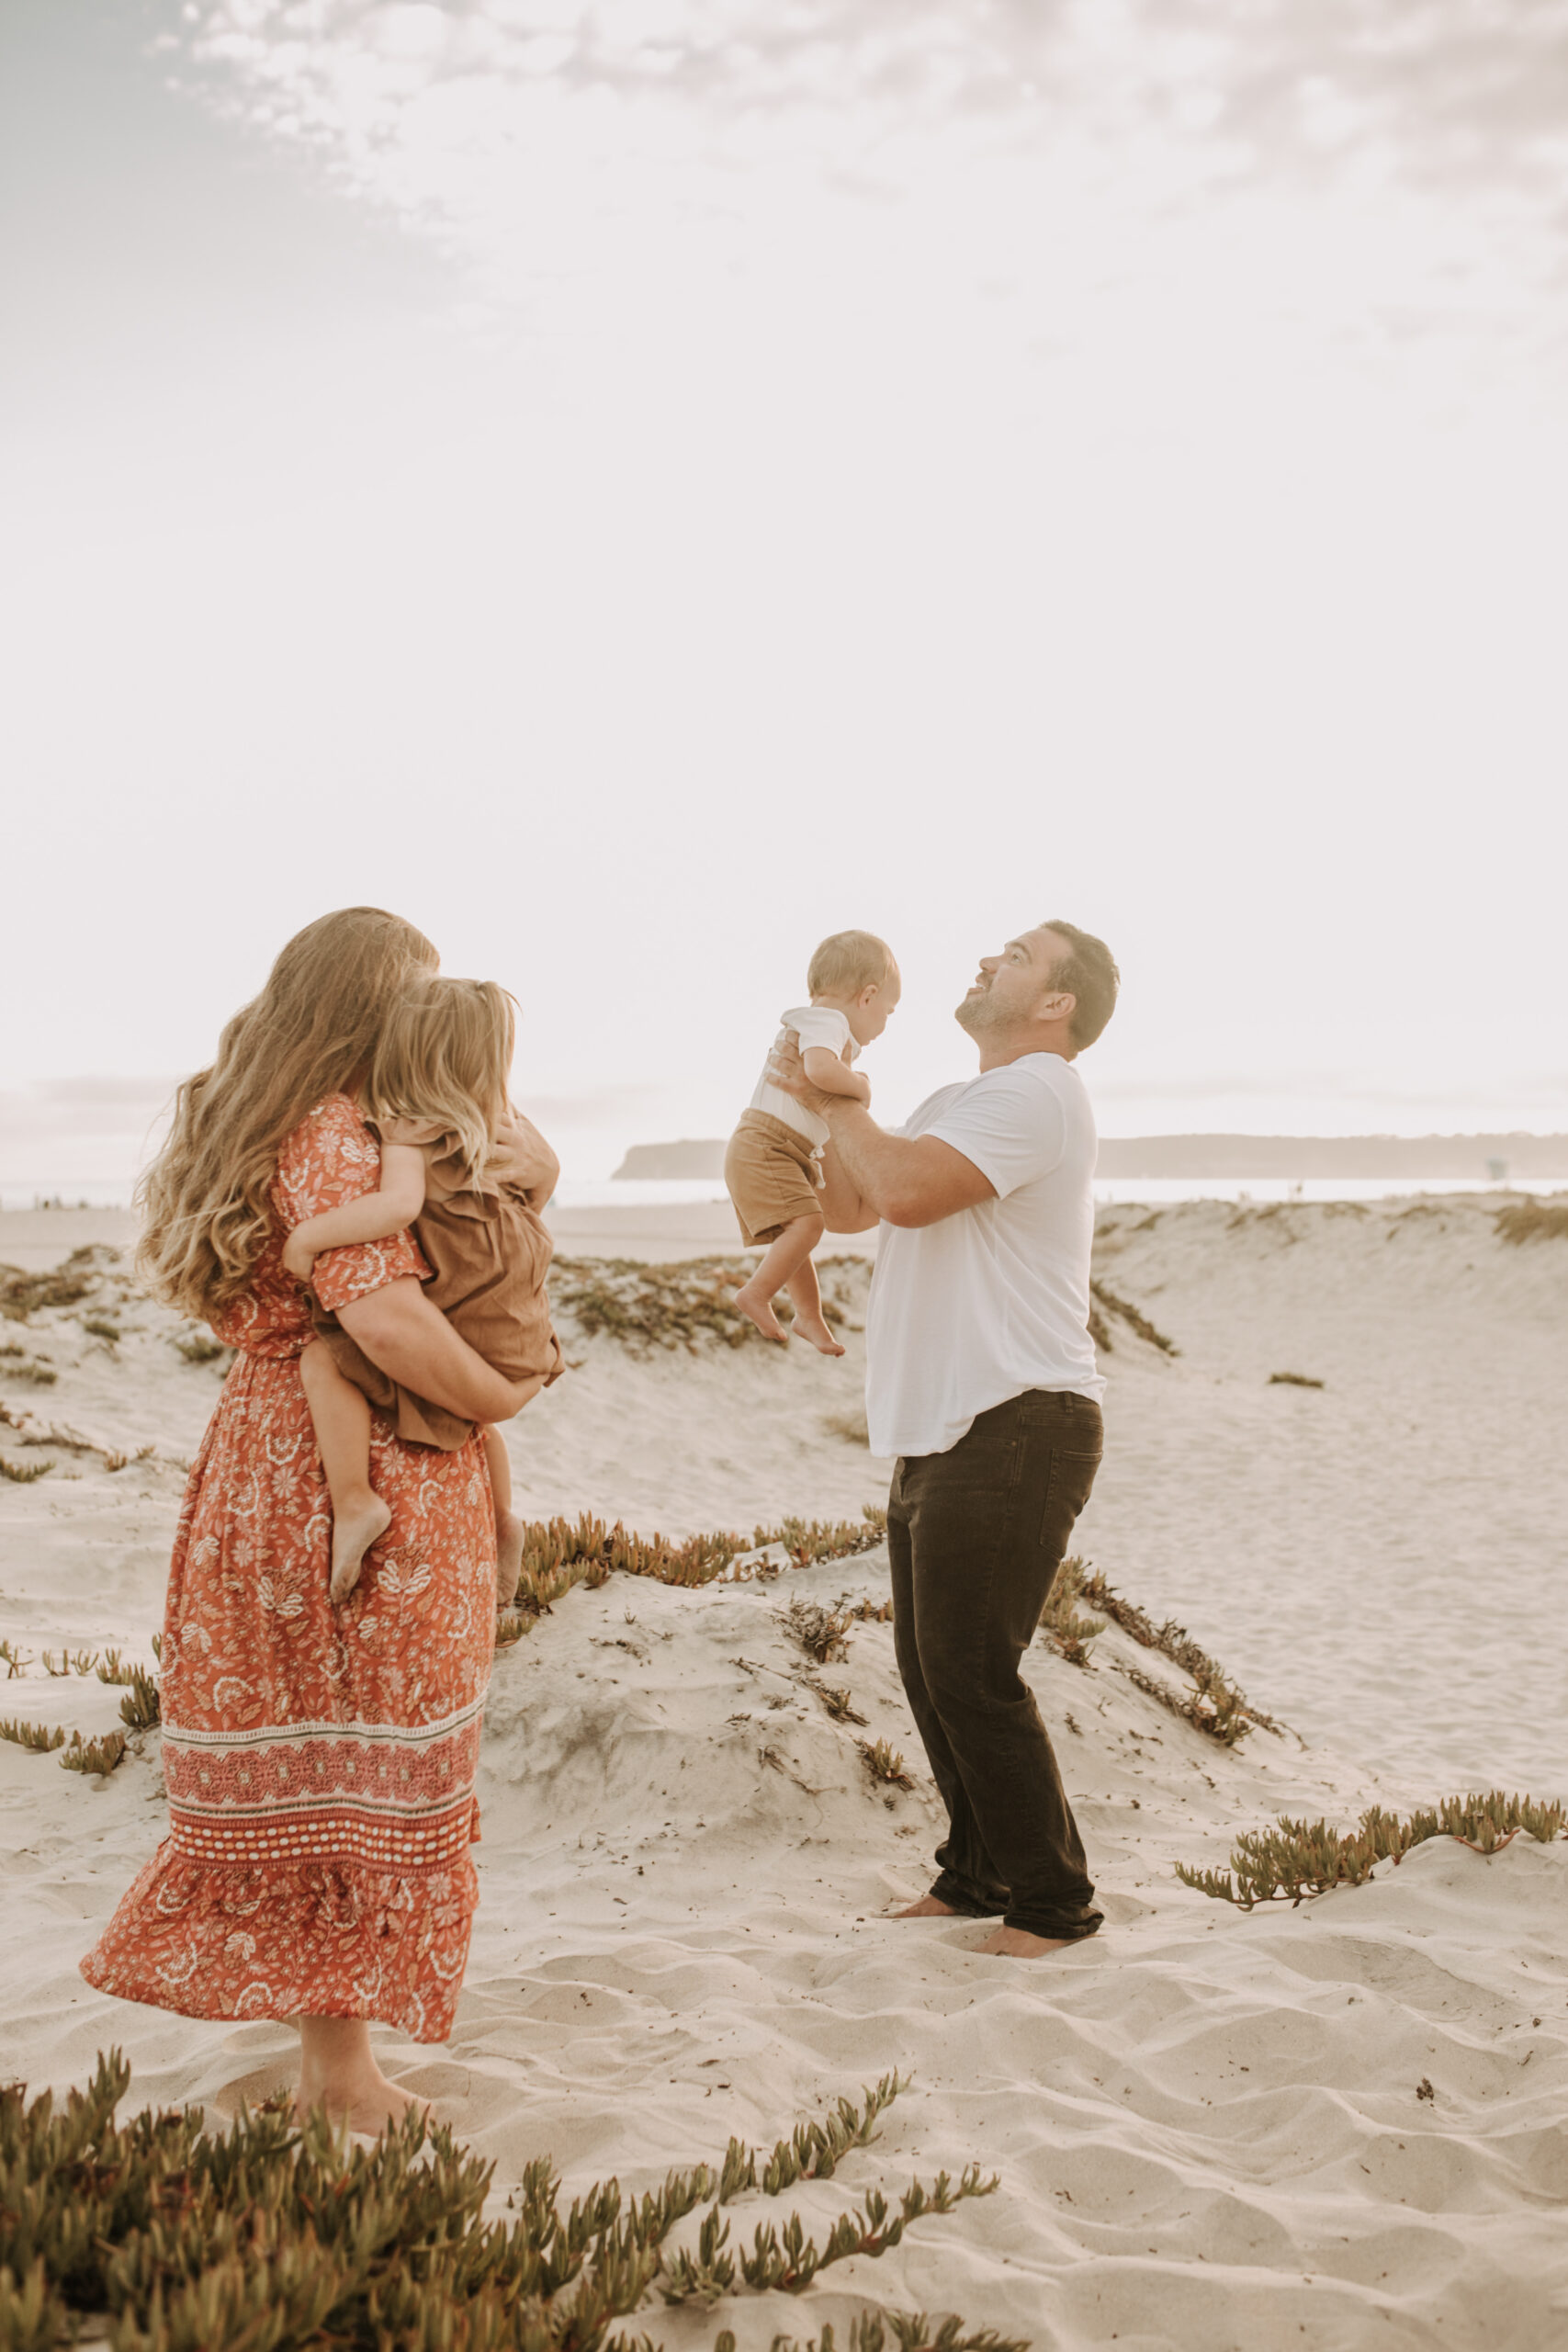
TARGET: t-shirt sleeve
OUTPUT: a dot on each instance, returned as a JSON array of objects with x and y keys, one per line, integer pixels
[
  {"x": 1012, "y": 1126},
  {"x": 820, "y": 1024},
  {"x": 333, "y": 1158}
]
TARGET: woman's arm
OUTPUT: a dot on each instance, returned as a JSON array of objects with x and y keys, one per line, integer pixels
[
  {"x": 413, "y": 1342},
  {"x": 374, "y": 1217}
]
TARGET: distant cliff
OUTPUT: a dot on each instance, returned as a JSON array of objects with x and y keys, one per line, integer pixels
[{"x": 1531, "y": 1157}]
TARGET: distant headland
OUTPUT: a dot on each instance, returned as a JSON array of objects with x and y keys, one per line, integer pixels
[{"x": 1483, "y": 1158}]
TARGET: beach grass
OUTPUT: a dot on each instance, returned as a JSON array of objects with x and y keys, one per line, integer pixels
[
  {"x": 1296, "y": 1858},
  {"x": 1533, "y": 1220},
  {"x": 281, "y": 2234},
  {"x": 559, "y": 1552},
  {"x": 1216, "y": 1707},
  {"x": 678, "y": 1305}
]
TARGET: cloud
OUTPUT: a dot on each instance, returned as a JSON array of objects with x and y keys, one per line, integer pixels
[{"x": 1368, "y": 175}]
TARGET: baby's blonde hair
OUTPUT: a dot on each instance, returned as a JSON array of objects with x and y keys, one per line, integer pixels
[
  {"x": 444, "y": 1057},
  {"x": 850, "y": 961}
]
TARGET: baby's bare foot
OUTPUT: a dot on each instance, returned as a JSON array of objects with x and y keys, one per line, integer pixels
[
  {"x": 759, "y": 1310},
  {"x": 508, "y": 1557},
  {"x": 812, "y": 1327},
  {"x": 354, "y": 1532}
]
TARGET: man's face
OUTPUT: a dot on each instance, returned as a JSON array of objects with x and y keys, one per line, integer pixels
[{"x": 1010, "y": 986}]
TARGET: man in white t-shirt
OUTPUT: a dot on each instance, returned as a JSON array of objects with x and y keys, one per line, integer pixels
[{"x": 981, "y": 1378}]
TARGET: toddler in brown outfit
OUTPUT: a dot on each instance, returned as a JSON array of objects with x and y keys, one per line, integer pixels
[
  {"x": 771, "y": 1166},
  {"x": 471, "y": 1177}
]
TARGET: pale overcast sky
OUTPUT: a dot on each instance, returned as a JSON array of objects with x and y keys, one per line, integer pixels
[{"x": 637, "y": 486}]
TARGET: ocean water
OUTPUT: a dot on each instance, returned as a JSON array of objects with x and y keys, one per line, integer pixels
[{"x": 606, "y": 1192}]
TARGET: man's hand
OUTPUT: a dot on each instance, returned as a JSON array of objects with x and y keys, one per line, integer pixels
[{"x": 787, "y": 1071}]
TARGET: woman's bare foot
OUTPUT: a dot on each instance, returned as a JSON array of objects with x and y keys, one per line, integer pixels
[
  {"x": 1017, "y": 1943},
  {"x": 930, "y": 1906},
  {"x": 338, "y": 2073},
  {"x": 508, "y": 1557},
  {"x": 812, "y": 1327},
  {"x": 354, "y": 1532},
  {"x": 759, "y": 1310}
]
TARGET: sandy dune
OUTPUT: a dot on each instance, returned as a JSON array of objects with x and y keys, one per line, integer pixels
[{"x": 1212, "y": 2129}]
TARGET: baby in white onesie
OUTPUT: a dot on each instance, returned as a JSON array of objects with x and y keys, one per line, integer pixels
[{"x": 771, "y": 1166}]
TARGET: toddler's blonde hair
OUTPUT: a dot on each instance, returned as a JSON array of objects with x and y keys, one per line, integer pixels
[
  {"x": 850, "y": 961},
  {"x": 444, "y": 1057}
]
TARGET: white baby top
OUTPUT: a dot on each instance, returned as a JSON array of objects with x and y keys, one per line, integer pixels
[
  {"x": 817, "y": 1025},
  {"x": 994, "y": 1299}
]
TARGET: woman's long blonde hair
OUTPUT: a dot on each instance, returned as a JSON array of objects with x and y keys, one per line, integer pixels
[
  {"x": 311, "y": 1032},
  {"x": 444, "y": 1057}
]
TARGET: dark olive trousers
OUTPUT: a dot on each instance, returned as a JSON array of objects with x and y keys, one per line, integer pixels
[{"x": 975, "y": 1537}]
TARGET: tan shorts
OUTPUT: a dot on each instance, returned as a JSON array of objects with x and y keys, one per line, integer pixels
[{"x": 770, "y": 1176}]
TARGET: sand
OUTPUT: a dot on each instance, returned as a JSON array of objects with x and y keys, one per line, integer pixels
[{"x": 1211, "y": 2127}]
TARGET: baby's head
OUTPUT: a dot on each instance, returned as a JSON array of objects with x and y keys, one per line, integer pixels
[
  {"x": 445, "y": 1056},
  {"x": 854, "y": 971}
]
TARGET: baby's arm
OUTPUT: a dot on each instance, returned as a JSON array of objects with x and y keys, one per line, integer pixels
[
  {"x": 825, "y": 1069},
  {"x": 375, "y": 1217}
]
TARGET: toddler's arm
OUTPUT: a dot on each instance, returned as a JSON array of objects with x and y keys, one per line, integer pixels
[
  {"x": 375, "y": 1217},
  {"x": 825, "y": 1069}
]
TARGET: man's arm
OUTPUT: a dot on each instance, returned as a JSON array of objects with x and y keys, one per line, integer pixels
[
  {"x": 908, "y": 1182},
  {"x": 869, "y": 1174},
  {"x": 831, "y": 1074}
]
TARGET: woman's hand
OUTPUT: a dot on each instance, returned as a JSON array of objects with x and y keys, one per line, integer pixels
[{"x": 787, "y": 1071}]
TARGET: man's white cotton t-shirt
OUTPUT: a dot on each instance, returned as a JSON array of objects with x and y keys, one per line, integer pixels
[
  {"x": 815, "y": 1024},
  {"x": 994, "y": 1299}
]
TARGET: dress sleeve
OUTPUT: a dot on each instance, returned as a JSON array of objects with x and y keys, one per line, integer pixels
[{"x": 333, "y": 1158}]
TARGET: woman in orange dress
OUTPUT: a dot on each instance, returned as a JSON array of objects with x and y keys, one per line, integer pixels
[{"x": 320, "y": 1761}]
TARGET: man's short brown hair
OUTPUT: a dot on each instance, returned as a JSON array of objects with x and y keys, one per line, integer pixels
[
  {"x": 1088, "y": 971},
  {"x": 848, "y": 962}
]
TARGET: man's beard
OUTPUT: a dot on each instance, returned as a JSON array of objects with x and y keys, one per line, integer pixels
[{"x": 976, "y": 1013}]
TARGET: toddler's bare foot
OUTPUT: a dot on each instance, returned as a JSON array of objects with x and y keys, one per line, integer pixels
[
  {"x": 508, "y": 1557},
  {"x": 354, "y": 1532},
  {"x": 760, "y": 1310},
  {"x": 812, "y": 1327}
]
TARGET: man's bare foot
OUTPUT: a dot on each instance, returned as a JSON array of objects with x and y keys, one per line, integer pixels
[
  {"x": 760, "y": 1311},
  {"x": 930, "y": 1906},
  {"x": 812, "y": 1327},
  {"x": 354, "y": 1532},
  {"x": 508, "y": 1557},
  {"x": 1017, "y": 1943}
]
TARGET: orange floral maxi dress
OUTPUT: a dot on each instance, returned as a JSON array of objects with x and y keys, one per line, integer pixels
[{"x": 320, "y": 1761}]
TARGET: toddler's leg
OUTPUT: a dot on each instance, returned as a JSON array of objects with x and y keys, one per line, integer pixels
[
  {"x": 508, "y": 1526},
  {"x": 806, "y": 1300},
  {"x": 783, "y": 1261},
  {"x": 341, "y": 1419}
]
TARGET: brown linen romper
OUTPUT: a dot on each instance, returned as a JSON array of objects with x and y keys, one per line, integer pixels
[{"x": 491, "y": 1252}]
